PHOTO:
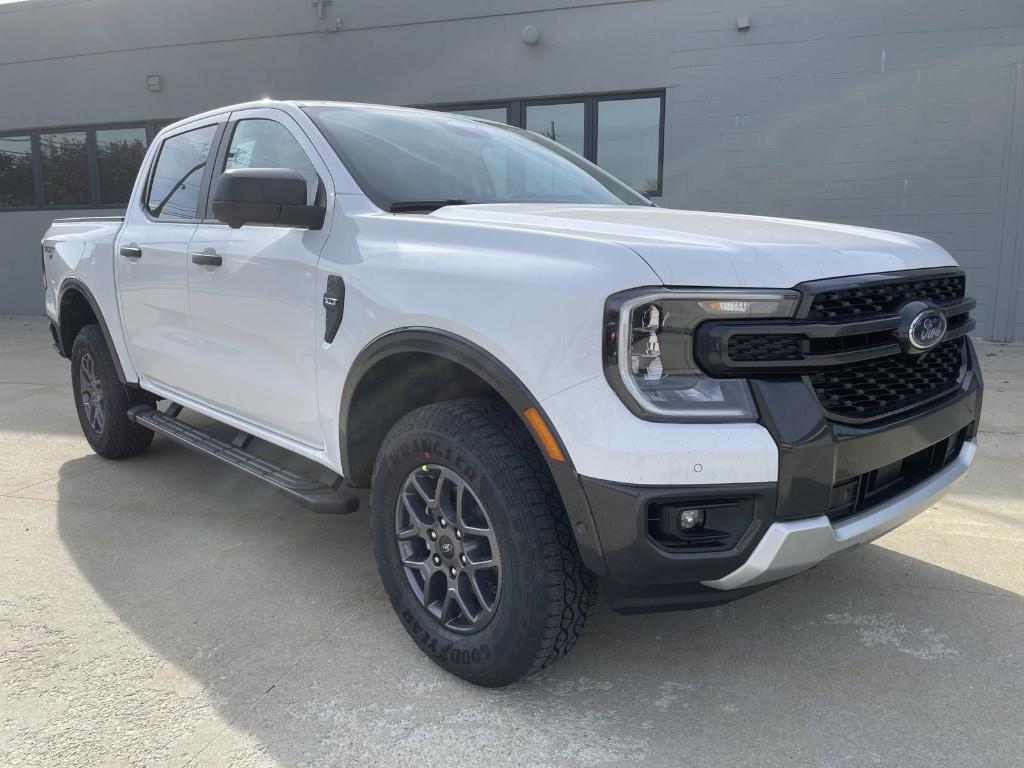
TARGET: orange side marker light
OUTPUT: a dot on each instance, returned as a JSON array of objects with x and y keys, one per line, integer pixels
[{"x": 543, "y": 432}]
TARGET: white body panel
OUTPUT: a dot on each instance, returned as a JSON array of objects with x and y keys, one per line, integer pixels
[
  {"x": 608, "y": 442},
  {"x": 252, "y": 333},
  {"x": 527, "y": 283},
  {"x": 154, "y": 297},
  {"x": 83, "y": 249},
  {"x": 688, "y": 248},
  {"x": 532, "y": 300},
  {"x": 153, "y": 290}
]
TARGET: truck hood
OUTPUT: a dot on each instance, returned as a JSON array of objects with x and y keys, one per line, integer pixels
[{"x": 691, "y": 248}]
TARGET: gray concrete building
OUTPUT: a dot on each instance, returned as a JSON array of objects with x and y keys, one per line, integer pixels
[{"x": 900, "y": 114}]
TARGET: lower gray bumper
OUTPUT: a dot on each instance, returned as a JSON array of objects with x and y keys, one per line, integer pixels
[{"x": 793, "y": 546}]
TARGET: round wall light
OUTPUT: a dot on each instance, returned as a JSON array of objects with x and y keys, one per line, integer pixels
[{"x": 530, "y": 34}]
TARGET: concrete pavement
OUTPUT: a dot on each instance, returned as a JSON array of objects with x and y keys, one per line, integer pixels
[{"x": 166, "y": 611}]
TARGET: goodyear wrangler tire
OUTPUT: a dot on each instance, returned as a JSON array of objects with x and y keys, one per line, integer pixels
[{"x": 473, "y": 545}]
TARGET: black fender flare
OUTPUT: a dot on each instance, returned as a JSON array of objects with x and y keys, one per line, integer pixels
[
  {"x": 497, "y": 375},
  {"x": 74, "y": 284}
]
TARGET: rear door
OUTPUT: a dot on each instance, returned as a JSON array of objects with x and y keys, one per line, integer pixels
[
  {"x": 151, "y": 254},
  {"x": 254, "y": 313}
]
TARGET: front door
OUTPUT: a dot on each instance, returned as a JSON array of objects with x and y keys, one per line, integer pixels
[
  {"x": 151, "y": 255},
  {"x": 252, "y": 292}
]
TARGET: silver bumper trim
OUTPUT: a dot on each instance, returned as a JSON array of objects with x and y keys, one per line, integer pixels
[{"x": 793, "y": 546}]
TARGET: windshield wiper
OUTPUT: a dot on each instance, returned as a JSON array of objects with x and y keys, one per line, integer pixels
[{"x": 423, "y": 206}]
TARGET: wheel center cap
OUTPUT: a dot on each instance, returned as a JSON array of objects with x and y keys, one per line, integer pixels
[{"x": 447, "y": 548}]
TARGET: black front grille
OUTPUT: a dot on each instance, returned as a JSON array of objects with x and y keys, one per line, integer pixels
[
  {"x": 850, "y": 343},
  {"x": 767, "y": 347},
  {"x": 882, "y": 386},
  {"x": 861, "y": 302}
]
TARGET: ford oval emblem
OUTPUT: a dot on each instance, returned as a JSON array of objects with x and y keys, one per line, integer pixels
[{"x": 927, "y": 329}]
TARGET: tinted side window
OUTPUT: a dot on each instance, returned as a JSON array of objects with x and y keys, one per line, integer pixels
[
  {"x": 266, "y": 144},
  {"x": 174, "y": 188}
]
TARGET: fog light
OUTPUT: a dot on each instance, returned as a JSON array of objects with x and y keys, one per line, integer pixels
[{"x": 691, "y": 520}]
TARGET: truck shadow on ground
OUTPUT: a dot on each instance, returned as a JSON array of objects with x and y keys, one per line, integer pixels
[{"x": 270, "y": 619}]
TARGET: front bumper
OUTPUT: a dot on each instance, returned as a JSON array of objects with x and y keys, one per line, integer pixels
[
  {"x": 789, "y": 547},
  {"x": 795, "y": 522}
]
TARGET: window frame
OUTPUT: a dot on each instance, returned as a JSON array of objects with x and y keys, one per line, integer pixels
[
  {"x": 205, "y": 181},
  {"x": 595, "y": 130},
  {"x": 516, "y": 111},
  {"x": 39, "y": 201}
]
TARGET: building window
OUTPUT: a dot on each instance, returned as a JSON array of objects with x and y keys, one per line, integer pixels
[
  {"x": 17, "y": 177},
  {"x": 563, "y": 123},
  {"x": 621, "y": 132},
  {"x": 65, "y": 162},
  {"x": 81, "y": 167},
  {"x": 629, "y": 140},
  {"x": 495, "y": 114},
  {"x": 119, "y": 153}
]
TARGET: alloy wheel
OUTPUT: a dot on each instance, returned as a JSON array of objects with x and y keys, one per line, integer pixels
[
  {"x": 448, "y": 548},
  {"x": 91, "y": 394}
]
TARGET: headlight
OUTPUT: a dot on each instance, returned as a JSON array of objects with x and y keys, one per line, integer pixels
[{"x": 649, "y": 351}]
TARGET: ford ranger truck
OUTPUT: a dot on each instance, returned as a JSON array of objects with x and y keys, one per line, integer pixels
[{"x": 540, "y": 381}]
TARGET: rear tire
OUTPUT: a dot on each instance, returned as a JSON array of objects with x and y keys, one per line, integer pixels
[
  {"x": 103, "y": 401},
  {"x": 531, "y": 600}
]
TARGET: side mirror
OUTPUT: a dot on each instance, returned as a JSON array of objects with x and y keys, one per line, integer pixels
[{"x": 265, "y": 196}]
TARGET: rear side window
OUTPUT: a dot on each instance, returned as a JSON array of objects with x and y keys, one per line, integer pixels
[
  {"x": 174, "y": 187},
  {"x": 260, "y": 143}
]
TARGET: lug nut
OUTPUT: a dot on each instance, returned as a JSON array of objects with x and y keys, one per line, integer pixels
[
  {"x": 458, "y": 534},
  {"x": 452, "y": 572},
  {"x": 463, "y": 559},
  {"x": 433, "y": 535},
  {"x": 436, "y": 559},
  {"x": 444, "y": 523}
]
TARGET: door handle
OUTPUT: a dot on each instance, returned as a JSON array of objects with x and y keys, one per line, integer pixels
[
  {"x": 131, "y": 252},
  {"x": 207, "y": 260}
]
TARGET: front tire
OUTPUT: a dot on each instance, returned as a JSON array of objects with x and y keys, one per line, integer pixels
[
  {"x": 103, "y": 401},
  {"x": 473, "y": 544}
]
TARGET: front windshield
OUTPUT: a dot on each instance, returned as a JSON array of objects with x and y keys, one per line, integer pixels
[{"x": 407, "y": 156}]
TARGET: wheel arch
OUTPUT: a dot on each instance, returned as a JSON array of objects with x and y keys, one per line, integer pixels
[
  {"x": 76, "y": 308},
  {"x": 436, "y": 365}
]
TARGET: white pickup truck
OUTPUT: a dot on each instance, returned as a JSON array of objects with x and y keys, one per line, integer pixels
[{"x": 545, "y": 381}]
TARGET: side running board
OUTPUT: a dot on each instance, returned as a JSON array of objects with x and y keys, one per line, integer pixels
[{"x": 324, "y": 496}]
